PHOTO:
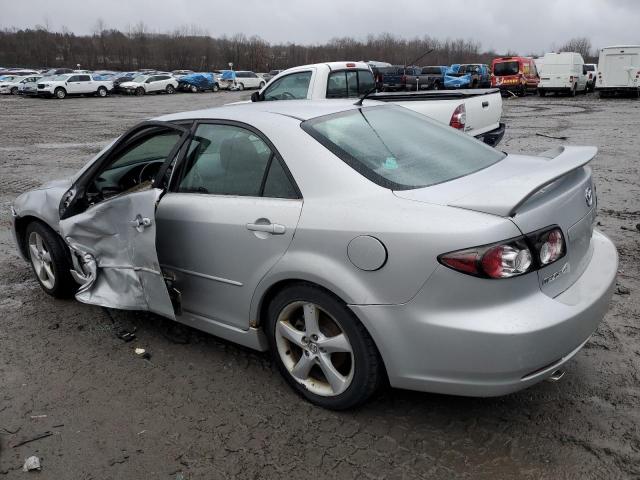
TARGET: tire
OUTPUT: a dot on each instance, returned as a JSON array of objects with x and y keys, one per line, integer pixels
[
  {"x": 139, "y": 92},
  {"x": 262, "y": 84},
  {"x": 541, "y": 92},
  {"x": 193, "y": 89},
  {"x": 102, "y": 92},
  {"x": 14, "y": 91},
  {"x": 573, "y": 91},
  {"x": 215, "y": 88},
  {"x": 60, "y": 93},
  {"x": 240, "y": 86},
  {"x": 49, "y": 255},
  {"x": 437, "y": 86},
  {"x": 170, "y": 89},
  {"x": 355, "y": 362}
]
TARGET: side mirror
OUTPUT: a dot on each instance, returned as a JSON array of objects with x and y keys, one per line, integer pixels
[{"x": 255, "y": 97}]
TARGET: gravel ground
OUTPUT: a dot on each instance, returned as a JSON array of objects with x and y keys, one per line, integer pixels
[{"x": 210, "y": 409}]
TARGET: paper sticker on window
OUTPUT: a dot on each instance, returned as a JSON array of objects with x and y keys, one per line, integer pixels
[{"x": 390, "y": 163}]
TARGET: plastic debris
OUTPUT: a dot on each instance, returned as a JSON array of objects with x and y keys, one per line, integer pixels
[
  {"x": 622, "y": 290},
  {"x": 31, "y": 463},
  {"x": 142, "y": 353}
]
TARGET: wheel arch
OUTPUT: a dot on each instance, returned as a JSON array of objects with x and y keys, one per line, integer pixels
[{"x": 21, "y": 224}]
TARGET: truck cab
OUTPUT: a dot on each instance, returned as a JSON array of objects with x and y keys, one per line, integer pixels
[
  {"x": 563, "y": 72},
  {"x": 514, "y": 74}
]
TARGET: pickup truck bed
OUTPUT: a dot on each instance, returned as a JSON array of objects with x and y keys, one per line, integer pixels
[{"x": 483, "y": 108}]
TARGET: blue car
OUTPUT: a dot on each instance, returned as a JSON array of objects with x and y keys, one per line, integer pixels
[
  {"x": 199, "y": 82},
  {"x": 468, "y": 75}
]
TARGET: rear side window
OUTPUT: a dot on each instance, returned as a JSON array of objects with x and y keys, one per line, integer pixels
[
  {"x": 84, "y": 78},
  {"x": 349, "y": 83},
  {"x": 400, "y": 149}
]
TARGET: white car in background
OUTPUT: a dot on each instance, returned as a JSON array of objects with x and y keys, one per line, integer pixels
[
  {"x": 246, "y": 79},
  {"x": 29, "y": 85},
  {"x": 592, "y": 75},
  {"x": 9, "y": 84},
  {"x": 143, "y": 84},
  {"x": 563, "y": 73},
  {"x": 61, "y": 86}
]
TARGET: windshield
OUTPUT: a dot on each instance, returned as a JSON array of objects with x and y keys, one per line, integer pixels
[
  {"x": 590, "y": 68},
  {"x": 140, "y": 78},
  {"x": 468, "y": 68},
  {"x": 506, "y": 68},
  {"x": 400, "y": 149}
]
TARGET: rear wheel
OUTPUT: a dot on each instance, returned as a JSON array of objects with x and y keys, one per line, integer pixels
[
  {"x": 262, "y": 84},
  {"x": 573, "y": 91},
  {"x": 240, "y": 86},
  {"x": 215, "y": 88},
  {"x": 437, "y": 86},
  {"x": 321, "y": 349},
  {"x": 102, "y": 92},
  {"x": 541, "y": 92},
  {"x": 170, "y": 89},
  {"x": 60, "y": 93},
  {"x": 193, "y": 89},
  {"x": 14, "y": 91},
  {"x": 50, "y": 260},
  {"x": 139, "y": 91}
]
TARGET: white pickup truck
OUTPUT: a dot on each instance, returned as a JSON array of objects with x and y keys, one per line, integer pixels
[
  {"x": 476, "y": 112},
  {"x": 60, "y": 86}
]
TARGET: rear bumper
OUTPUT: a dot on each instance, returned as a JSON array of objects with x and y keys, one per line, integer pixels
[
  {"x": 555, "y": 89},
  {"x": 493, "y": 137},
  {"x": 451, "y": 339},
  {"x": 618, "y": 89}
]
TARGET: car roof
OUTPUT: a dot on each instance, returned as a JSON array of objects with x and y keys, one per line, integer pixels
[{"x": 297, "y": 109}]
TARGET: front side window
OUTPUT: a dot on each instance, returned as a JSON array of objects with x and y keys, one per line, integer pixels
[
  {"x": 231, "y": 160},
  {"x": 74, "y": 78},
  {"x": 400, "y": 149},
  {"x": 291, "y": 87}
]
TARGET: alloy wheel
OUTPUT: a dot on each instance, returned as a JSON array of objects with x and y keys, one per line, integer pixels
[
  {"x": 314, "y": 348},
  {"x": 41, "y": 260}
]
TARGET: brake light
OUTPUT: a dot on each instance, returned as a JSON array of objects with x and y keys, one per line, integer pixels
[
  {"x": 459, "y": 117},
  {"x": 351, "y": 65},
  {"x": 509, "y": 258}
]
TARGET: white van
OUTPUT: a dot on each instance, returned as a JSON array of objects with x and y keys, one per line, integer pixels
[
  {"x": 619, "y": 70},
  {"x": 563, "y": 72}
]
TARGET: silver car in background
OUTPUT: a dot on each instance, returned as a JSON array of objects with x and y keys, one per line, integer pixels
[{"x": 360, "y": 244}]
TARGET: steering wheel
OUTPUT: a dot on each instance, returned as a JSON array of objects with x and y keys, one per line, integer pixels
[
  {"x": 141, "y": 178},
  {"x": 287, "y": 96}
]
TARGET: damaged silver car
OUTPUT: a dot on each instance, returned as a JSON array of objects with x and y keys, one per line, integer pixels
[{"x": 362, "y": 245}]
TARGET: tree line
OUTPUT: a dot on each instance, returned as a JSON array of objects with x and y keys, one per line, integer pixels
[{"x": 191, "y": 48}]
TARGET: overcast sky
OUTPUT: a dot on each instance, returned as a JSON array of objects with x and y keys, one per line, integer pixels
[{"x": 522, "y": 26}]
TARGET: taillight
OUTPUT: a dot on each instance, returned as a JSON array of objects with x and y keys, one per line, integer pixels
[
  {"x": 459, "y": 117},
  {"x": 509, "y": 258},
  {"x": 571, "y": 79}
]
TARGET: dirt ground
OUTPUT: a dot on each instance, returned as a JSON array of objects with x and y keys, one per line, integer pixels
[{"x": 210, "y": 409}]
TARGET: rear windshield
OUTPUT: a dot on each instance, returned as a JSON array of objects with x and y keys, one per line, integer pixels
[
  {"x": 506, "y": 68},
  {"x": 432, "y": 70},
  {"x": 590, "y": 68},
  {"x": 399, "y": 149}
]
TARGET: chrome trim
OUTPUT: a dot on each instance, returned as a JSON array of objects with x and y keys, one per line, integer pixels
[{"x": 202, "y": 275}]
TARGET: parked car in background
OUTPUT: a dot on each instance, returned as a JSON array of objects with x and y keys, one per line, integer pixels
[
  {"x": 121, "y": 78},
  {"x": 9, "y": 84},
  {"x": 473, "y": 276},
  {"x": 67, "y": 84},
  {"x": 246, "y": 80},
  {"x": 52, "y": 72},
  {"x": 198, "y": 82},
  {"x": 563, "y": 73},
  {"x": 181, "y": 73},
  {"x": 592, "y": 75},
  {"x": 143, "y": 84},
  {"x": 514, "y": 74},
  {"x": 272, "y": 73},
  {"x": 390, "y": 79},
  {"x": 29, "y": 86},
  {"x": 619, "y": 71},
  {"x": 468, "y": 75},
  {"x": 424, "y": 78},
  {"x": 476, "y": 112}
]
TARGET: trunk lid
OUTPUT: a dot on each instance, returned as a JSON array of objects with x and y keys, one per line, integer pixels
[{"x": 533, "y": 192}]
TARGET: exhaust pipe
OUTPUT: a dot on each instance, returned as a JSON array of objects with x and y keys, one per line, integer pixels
[{"x": 556, "y": 375}]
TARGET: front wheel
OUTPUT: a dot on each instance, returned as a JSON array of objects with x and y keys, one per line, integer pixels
[
  {"x": 14, "y": 91},
  {"x": 50, "y": 260},
  {"x": 321, "y": 348},
  {"x": 60, "y": 93},
  {"x": 215, "y": 88},
  {"x": 240, "y": 86},
  {"x": 193, "y": 89},
  {"x": 262, "y": 84},
  {"x": 170, "y": 89},
  {"x": 139, "y": 91}
]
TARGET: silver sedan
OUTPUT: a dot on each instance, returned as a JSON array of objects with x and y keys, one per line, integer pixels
[{"x": 359, "y": 244}]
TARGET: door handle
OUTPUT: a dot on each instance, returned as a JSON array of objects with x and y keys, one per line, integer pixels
[
  {"x": 485, "y": 104},
  {"x": 273, "y": 228},
  {"x": 140, "y": 223}
]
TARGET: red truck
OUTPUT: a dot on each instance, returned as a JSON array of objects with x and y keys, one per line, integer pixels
[{"x": 514, "y": 74}]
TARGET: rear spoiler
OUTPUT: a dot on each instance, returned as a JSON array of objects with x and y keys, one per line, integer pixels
[{"x": 506, "y": 196}]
